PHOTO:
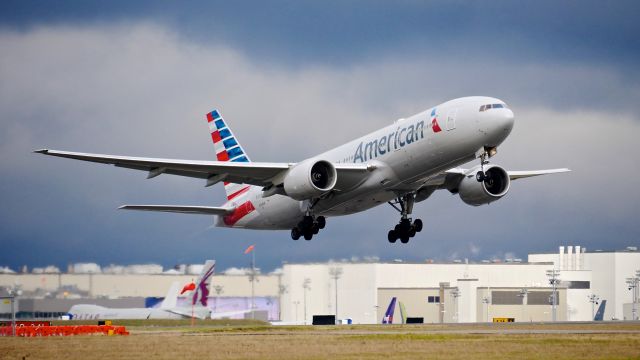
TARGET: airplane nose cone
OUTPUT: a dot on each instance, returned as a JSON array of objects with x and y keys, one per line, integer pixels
[
  {"x": 498, "y": 126},
  {"x": 507, "y": 120}
]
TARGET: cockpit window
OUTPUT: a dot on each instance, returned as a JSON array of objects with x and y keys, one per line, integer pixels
[{"x": 493, "y": 106}]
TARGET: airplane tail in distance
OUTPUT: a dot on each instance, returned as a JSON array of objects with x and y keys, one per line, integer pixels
[
  {"x": 227, "y": 148},
  {"x": 388, "y": 316},
  {"x": 403, "y": 312},
  {"x": 600, "y": 313},
  {"x": 201, "y": 292},
  {"x": 170, "y": 301}
]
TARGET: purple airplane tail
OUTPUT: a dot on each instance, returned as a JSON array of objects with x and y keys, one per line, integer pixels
[
  {"x": 388, "y": 316},
  {"x": 202, "y": 284}
]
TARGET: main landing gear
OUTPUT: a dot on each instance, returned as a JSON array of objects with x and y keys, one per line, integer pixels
[
  {"x": 308, "y": 227},
  {"x": 406, "y": 229}
]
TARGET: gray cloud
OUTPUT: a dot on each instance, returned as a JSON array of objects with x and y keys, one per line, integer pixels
[{"x": 142, "y": 89}]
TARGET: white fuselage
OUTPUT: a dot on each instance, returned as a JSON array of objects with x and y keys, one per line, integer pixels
[
  {"x": 95, "y": 312},
  {"x": 404, "y": 154}
]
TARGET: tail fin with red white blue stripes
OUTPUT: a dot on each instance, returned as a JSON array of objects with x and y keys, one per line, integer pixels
[{"x": 227, "y": 148}]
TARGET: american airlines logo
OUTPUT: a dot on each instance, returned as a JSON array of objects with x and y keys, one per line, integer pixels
[{"x": 395, "y": 140}]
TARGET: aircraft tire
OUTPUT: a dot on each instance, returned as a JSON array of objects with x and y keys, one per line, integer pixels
[
  {"x": 480, "y": 176},
  {"x": 412, "y": 232},
  {"x": 392, "y": 236},
  {"x": 295, "y": 233},
  {"x": 404, "y": 238},
  {"x": 315, "y": 229},
  {"x": 308, "y": 235},
  {"x": 417, "y": 224},
  {"x": 322, "y": 222}
]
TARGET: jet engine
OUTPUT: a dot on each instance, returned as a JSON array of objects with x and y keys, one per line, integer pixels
[
  {"x": 309, "y": 179},
  {"x": 495, "y": 185}
]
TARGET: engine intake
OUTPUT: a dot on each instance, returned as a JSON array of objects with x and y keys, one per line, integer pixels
[
  {"x": 495, "y": 186},
  {"x": 309, "y": 179}
]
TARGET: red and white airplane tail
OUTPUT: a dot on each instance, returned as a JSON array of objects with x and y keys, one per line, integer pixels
[{"x": 227, "y": 148}]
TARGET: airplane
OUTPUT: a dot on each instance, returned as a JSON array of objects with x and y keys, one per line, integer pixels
[
  {"x": 168, "y": 309},
  {"x": 400, "y": 164}
]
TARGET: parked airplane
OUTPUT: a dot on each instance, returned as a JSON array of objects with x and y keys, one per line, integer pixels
[
  {"x": 168, "y": 309},
  {"x": 400, "y": 164}
]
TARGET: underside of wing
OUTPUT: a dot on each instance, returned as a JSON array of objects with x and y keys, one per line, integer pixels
[
  {"x": 266, "y": 175},
  {"x": 201, "y": 210},
  {"x": 253, "y": 173}
]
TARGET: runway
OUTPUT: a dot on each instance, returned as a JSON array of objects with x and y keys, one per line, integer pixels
[{"x": 484, "y": 341}]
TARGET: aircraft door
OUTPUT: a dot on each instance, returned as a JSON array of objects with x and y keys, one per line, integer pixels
[{"x": 451, "y": 119}]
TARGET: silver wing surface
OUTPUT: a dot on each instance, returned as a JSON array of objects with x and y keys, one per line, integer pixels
[{"x": 252, "y": 173}]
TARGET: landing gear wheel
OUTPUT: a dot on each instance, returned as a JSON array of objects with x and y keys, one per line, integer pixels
[
  {"x": 295, "y": 233},
  {"x": 308, "y": 235},
  {"x": 404, "y": 238},
  {"x": 322, "y": 222},
  {"x": 392, "y": 237},
  {"x": 315, "y": 229},
  {"x": 480, "y": 176},
  {"x": 405, "y": 229},
  {"x": 417, "y": 224}
]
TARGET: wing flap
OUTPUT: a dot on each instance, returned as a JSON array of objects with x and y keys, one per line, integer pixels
[{"x": 199, "y": 210}]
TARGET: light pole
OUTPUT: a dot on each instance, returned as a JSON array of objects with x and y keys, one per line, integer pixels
[
  {"x": 335, "y": 273},
  {"x": 282, "y": 289},
  {"x": 296, "y": 303},
  {"x": 218, "y": 290},
  {"x": 553, "y": 276},
  {"x": 593, "y": 299},
  {"x": 632, "y": 283},
  {"x": 305, "y": 287},
  {"x": 455, "y": 294},
  {"x": 523, "y": 294}
]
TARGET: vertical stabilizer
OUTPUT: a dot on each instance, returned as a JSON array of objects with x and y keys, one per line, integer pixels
[
  {"x": 227, "y": 148},
  {"x": 201, "y": 293},
  {"x": 388, "y": 316},
  {"x": 171, "y": 299},
  {"x": 403, "y": 312},
  {"x": 600, "y": 313}
]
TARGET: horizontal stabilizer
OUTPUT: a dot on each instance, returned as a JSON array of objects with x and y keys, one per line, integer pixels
[{"x": 202, "y": 210}]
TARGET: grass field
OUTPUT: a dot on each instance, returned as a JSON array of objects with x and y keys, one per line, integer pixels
[{"x": 225, "y": 339}]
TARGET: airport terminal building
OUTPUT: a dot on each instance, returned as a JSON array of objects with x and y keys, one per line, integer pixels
[{"x": 452, "y": 292}]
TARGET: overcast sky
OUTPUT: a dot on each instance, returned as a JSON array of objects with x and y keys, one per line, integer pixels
[{"x": 296, "y": 78}]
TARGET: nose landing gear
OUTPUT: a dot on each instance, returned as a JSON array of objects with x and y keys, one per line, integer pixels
[{"x": 407, "y": 228}]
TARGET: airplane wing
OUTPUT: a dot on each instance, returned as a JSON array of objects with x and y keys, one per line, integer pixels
[
  {"x": 202, "y": 210},
  {"x": 514, "y": 175},
  {"x": 455, "y": 173},
  {"x": 451, "y": 178},
  {"x": 252, "y": 173}
]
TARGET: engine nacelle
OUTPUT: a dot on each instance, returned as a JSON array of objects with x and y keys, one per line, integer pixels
[
  {"x": 493, "y": 188},
  {"x": 309, "y": 179}
]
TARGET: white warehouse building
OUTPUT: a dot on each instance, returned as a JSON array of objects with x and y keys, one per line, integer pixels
[
  {"x": 463, "y": 292},
  {"x": 361, "y": 291}
]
